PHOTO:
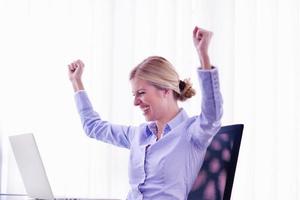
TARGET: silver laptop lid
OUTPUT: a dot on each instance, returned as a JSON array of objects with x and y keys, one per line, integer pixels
[{"x": 30, "y": 166}]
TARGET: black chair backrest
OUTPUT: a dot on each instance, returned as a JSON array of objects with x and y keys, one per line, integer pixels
[{"x": 215, "y": 178}]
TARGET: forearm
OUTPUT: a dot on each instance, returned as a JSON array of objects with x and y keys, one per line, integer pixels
[
  {"x": 99, "y": 129},
  {"x": 208, "y": 122},
  {"x": 204, "y": 61},
  {"x": 211, "y": 96},
  {"x": 77, "y": 85}
]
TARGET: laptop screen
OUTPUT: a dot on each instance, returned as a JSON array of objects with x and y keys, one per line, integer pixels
[{"x": 30, "y": 166}]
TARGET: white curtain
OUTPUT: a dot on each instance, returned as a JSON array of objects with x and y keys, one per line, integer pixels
[{"x": 256, "y": 47}]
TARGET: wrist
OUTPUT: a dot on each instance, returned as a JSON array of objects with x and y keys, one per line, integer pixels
[
  {"x": 204, "y": 60},
  {"x": 77, "y": 84}
]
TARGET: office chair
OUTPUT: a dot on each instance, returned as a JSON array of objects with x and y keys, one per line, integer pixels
[{"x": 215, "y": 178}]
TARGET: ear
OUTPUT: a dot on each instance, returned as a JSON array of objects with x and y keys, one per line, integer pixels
[{"x": 167, "y": 92}]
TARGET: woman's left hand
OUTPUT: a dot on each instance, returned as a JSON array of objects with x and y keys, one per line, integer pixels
[{"x": 202, "y": 39}]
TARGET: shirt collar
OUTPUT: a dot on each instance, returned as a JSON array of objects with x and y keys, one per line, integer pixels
[
  {"x": 180, "y": 117},
  {"x": 151, "y": 129}
]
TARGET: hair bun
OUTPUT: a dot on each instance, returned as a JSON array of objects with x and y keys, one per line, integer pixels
[
  {"x": 181, "y": 85},
  {"x": 186, "y": 90}
]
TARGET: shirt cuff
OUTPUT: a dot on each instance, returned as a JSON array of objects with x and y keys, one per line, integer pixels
[
  {"x": 78, "y": 91},
  {"x": 210, "y": 83},
  {"x": 213, "y": 68}
]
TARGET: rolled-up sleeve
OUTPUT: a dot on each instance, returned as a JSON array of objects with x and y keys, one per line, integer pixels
[
  {"x": 207, "y": 124},
  {"x": 99, "y": 129}
]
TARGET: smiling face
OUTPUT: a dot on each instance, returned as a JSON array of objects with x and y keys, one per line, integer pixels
[{"x": 151, "y": 100}]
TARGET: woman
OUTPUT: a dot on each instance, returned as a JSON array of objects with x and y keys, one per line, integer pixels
[{"x": 167, "y": 152}]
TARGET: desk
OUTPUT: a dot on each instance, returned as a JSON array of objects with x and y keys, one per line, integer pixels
[
  {"x": 25, "y": 197},
  {"x": 14, "y": 197}
]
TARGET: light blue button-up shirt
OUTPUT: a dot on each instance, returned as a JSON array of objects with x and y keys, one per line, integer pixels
[{"x": 163, "y": 169}]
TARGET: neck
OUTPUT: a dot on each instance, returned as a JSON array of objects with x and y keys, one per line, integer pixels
[{"x": 171, "y": 112}]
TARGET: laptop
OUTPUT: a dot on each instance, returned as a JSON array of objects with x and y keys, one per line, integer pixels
[{"x": 32, "y": 170}]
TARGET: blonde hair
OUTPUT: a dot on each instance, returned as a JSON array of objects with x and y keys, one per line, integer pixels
[{"x": 159, "y": 72}]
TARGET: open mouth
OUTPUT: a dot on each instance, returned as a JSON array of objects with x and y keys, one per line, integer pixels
[{"x": 145, "y": 109}]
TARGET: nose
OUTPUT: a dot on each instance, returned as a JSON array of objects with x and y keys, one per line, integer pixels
[{"x": 136, "y": 101}]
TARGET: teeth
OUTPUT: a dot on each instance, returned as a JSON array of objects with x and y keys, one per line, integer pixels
[{"x": 145, "y": 109}]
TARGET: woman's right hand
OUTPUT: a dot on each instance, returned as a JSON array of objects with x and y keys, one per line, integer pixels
[{"x": 75, "y": 72}]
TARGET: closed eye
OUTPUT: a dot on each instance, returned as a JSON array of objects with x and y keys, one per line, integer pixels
[{"x": 139, "y": 93}]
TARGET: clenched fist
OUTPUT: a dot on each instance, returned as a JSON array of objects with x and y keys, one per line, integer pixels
[
  {"x": 75, "y": 70},
  {"x": 201, "y": 38}
]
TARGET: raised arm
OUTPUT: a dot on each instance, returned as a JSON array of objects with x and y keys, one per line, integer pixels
[
  {"x": 92, "y": 124},
  {"x": 206, "y": 125}
]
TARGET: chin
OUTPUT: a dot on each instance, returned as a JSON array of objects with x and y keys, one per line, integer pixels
[{"x": 148, "y": 118}]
